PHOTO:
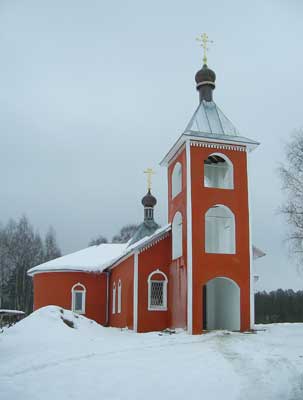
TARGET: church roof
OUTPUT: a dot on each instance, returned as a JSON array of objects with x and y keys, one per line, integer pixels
[
  {"x": 147, "y": 228},
  {"x": 97, "y": 258},
  {"x": 209, "y": 119},
  {"x": 91, "y": 259}
]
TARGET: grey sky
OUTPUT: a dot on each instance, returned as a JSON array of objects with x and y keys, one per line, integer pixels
[{"x": 93, "y": 92}]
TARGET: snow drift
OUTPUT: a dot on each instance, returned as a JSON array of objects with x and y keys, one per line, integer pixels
[{"x": 56, "y": 354}]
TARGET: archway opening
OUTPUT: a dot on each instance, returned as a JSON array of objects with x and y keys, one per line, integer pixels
[{"x": 221, "y": 305}]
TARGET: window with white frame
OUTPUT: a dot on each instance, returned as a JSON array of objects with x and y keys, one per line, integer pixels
[
  {"x": 78, "y": 298},
  {"x": 119, "y": 296},
  {"x": 220, "y": 230},
  {"x": 177, "y": 245},
  {"x": 114, "y": 299},
  {"x": 157, "y": 291},
  {"x": 176, "y": 179},
  {"x": 218, "y": 172}
]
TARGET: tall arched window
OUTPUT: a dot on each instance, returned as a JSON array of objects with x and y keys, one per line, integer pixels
[
  {"x": 119, "y": 296},
  {"x": 176, "y": 179},
  {"x": 218, "y": 172},
  {"x": 220, "y": 230},
  {"x": 78, "y": 298},
  {"x": 114, "y": 299},
  {"x": 177, "y": 236},
  {"x": 157, "y": 291}
]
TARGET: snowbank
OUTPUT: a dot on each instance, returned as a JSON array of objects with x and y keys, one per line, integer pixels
[{"x": 43, "y": 358}]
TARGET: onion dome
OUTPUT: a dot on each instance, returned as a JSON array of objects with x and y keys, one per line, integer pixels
[
  {"x": 149, "y": 200},
  {"x": 205, "y": 80}
]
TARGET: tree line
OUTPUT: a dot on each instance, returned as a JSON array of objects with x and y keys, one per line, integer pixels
[
  {"x": 22, "y": 248},
  {"x": 279, "y": 306}
]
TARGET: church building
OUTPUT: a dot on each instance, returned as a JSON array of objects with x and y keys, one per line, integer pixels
[{"x": 194, "y": 273}]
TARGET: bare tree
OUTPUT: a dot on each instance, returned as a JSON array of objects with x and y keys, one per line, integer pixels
[
  {"x": 51, "y": 249},
  {"x": 125, "y": 234},
  {"x": 292, "y": 183},
  {"x": 98, "y": 240}
]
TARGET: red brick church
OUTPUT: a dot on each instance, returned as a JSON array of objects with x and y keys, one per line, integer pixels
[{"x": 194, "y": 273}]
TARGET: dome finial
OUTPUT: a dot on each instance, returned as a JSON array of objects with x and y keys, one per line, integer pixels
[
  {"x": 203, "y": 39},
  {"x": 149, "y": 172}
]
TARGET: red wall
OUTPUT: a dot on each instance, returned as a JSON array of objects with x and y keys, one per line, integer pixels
[
  {"x": 178, "y": 270},
  {"x": 158, "y": 256},
  {"x": 208, "y": 266},
  {"x": 54, "y": 288},
  {"x": 125, "y": 272}
]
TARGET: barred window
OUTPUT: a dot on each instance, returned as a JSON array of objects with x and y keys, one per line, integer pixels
[{"x": 157, "y": 291}]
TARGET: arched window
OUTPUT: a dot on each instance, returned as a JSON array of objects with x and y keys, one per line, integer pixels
[
  {"x": 220, "y": 230},
  {"x": 119, "y": 296},
  {"x": 176, "y": 179},
  {"x": 157, "y": 291},
  {"x": 78, "y": 298},
  {"x": 114, "y": 299},
  {"x": 177, "y": 236},
  {"x": 218, "y": 172}
]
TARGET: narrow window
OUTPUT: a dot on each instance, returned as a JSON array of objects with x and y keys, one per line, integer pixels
[
  {"x": 119, "y": 296},
  {"x": 220, "y": 230},
  {"x": 177, "y": 250},
  {"x": 114, "y": 299},
  {"x": 78, "y": 298},
  {"x": 157, "y": 291},
  {"x": 218, "y": 172},
  {"x": 176, "y": 180}
]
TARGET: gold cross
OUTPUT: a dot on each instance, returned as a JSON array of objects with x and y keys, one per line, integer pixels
[
  {"x": 149, "y": 172},
  {"x": 204, "y": 40}
]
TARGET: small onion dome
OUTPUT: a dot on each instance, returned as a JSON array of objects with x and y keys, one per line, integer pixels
[
  {"x": 205, "y": 76},
  {"x": 149, "y": 200}
]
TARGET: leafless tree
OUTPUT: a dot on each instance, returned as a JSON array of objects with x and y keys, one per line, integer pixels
[
  {"x": 126, "y": 233},
  {"x": 98, "y": 240},
  {"x": 291, "y": 173}
]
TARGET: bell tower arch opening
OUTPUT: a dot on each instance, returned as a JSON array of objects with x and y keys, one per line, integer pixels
[
  {"x": 218, "y": 172},
  {"x": 221, "y": 308}
]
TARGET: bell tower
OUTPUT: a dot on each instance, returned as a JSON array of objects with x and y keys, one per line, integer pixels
[{"x": 208, "y": 207}]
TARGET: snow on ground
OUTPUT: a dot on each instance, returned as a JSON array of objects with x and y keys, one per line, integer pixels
[{"x": 43, "y": 358}]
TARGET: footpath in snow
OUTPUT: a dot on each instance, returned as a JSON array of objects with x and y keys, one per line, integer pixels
[{"x": 43, "y": 358}]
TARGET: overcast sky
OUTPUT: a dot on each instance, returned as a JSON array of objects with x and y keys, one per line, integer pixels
[{"x": 93, "y": 92}]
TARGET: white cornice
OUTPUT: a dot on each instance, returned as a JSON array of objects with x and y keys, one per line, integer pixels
[{"x": 234, "y": 143}]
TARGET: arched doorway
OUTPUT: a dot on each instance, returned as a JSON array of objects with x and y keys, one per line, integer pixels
[{"x": 221, "y": 304}]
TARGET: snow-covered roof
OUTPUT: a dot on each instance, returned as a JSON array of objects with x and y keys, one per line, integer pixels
[
  {"x": 91, "y": 259},
  {"x": 11, "y": 312},
  {"x": 96, "y": 258}
]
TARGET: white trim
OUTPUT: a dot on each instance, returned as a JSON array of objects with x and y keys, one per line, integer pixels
[
  {"x": 83, "y": 299},
  {"x": 119, "y": 305},
  {"x": 251, "y": 283},
  {"x": 107, "y": 297},
  {"x": 230, "y": 143},
  {"x": 189, "y": 241},
  {"x": 149, "y": 282},
  {"x": 135, "y": 305},
  {"x": 114, "y": 298}
]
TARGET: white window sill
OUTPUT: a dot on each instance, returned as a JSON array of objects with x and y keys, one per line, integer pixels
[{"x": 157, "y": 309}]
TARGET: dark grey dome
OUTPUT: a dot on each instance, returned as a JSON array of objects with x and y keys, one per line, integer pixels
[{"x": 149, "y": 200}]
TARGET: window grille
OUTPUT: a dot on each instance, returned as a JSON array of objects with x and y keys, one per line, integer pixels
[{"x": 157, "y": 292}]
